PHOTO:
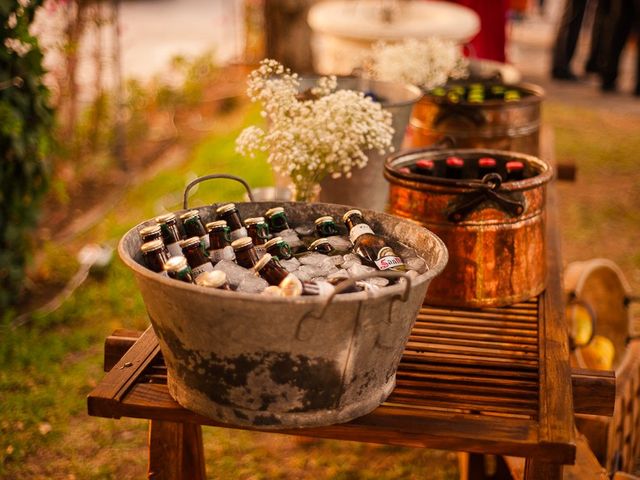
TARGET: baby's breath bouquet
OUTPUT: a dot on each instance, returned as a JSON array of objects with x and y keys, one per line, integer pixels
[
  {"x": 310, "y": 136},
  {"x": 427, "y": 63}
]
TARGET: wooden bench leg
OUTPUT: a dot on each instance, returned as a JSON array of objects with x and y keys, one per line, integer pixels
[
  {"x": 536, "y": 470},
  {"x": 175, "y": 451}
]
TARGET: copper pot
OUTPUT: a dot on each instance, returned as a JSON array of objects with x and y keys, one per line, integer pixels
[
  {"x": 494, "y": 230},
  {"x": 494, "y": 124}
]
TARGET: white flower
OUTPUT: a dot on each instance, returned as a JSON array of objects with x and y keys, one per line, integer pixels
[
  {"x": 428, "y": 63},
  {"x": 310, "y": 139}
]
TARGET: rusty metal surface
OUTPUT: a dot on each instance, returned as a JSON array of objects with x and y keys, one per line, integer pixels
[
  {"x": 496, "y": 257},
  {"x": 494, "y": 124},
  {"x": 265, "y": 361}
]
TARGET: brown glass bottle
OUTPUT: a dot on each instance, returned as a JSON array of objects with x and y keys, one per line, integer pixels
[
  {"x": 515, "y": 170},
  {"x": 193, "y": 227},
  {"x": 197, "y": 260},
  {"x": 454, "y": 167},
  {"x": 278, "y": 248},
  {"x": 277, "y": 219},
  {"x": 178, "y": 269},
  {"x": 326, "y": 226},
  {"x": 258, "y": 231},
  {"x": 154, "y": 255},
  {"x": 170, "y": 233},
  {"x": 370, "y": 247},
  {"x": 220, "y": 241},
  {"x": 425, "y": 167},
  {"x": 322, "y": 245},
  {"x": 275, "y": 274},
  {"x": 230, "y": 214},
  {"x": 246, "y": 255},
  {"x": 486, "y": 165}
]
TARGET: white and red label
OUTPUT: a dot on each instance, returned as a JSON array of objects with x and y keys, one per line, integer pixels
[
  {"x": 391, "y": 261},
  {"x": 358, "y": 230}
]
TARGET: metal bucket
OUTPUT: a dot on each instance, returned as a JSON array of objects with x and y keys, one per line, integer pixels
[
  {"x": 494, "y": 231},
  {"x": 367, "y": 188},
  {"x": 493, "y": 124},
  {"x": 270, "y": 362}
]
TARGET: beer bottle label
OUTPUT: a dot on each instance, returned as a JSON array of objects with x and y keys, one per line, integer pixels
[
  {"x": 388, "y": 259},
  {"x": 225, "y": 253},
  {"x": 358, "y": 230},
  {"x": 260, "y": 250},
  {"x": 239, "y": 233},
  {"x": 174, "y": 249},
  {"x": 205, "y": 267}
]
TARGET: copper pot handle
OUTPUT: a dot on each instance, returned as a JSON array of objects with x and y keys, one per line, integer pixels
[{"x": 214, "y": 176}]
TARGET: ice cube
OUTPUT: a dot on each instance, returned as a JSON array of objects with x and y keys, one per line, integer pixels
[
  {"x": 326, "y": 267},
  {"x": 290, "y": 265},
  {"x": 339, "y": 243},
  {"x": 350, "y": 259},
  {"x": 235, "y": 273},
  {"x": 304, "y": 230},
  {"x": 379, "y": 281},
  {"x": 303, "y": 275},
  {"x": 313, "y": 258},
  {"x": 417, "y": 264},
  {"x": 252, "y": 284},
  {"x": 291, "y": 237},
  {"x": 337, "y": 260},
  {"x": 339, "y": 273},
  {"x": 312, "y": 271},
  {"x": 359, "y": 269}
]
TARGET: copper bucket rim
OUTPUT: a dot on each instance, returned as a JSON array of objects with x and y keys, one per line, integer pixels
[
  {"x": 536, "y": 94},
  {"x": 420, "y": 182},
  {"x": 392, "y": 290}
]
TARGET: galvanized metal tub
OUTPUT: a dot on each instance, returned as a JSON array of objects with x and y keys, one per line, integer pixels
[
  {"x": 495, "y": 236},
  {"x": 493, "y": 124},
  {"x": 274, "y": 363}
]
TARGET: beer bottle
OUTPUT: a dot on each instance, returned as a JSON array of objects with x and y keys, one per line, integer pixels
[
  {"x": 515, "y": 170},
  {"x": 214, "y": 279},
  {"x": 178, "y": 269},
  {"x": 246, "y": 255},
  {"x": 275, "y": 274},
  {"x": 154, "y": 255},
  {"x": 326, "y": 226},
  {"x": 170, "y": 233},
  {"x": 277, "y": 219},
  {"x": 512, "y": 96},
  {"x": 425, "y": 167},
  {"x": 370, "y": 247},
  {"x": 454, "y": 167},
  {"x": 193, "y": 227},
  {"x": 197, "y": 260},
  {"x": 486, "y": 165},
  {"x": 152, "y": 232},
  {"x": 278, "y": 248},
  {"x": 220, "y": 242},
  {"x": 322, "y": 245},
  {"x": 229, "y": 212},
  {"x": 258, "y": 231}
]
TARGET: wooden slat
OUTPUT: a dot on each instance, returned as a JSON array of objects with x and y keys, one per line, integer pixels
[
  {"x": 442, "y": 355},
  {"x": 505, "y": 346},
  {"x": 432, "y": 332},
  {"x": 479, "y": 322},
  {"x": 447, "y": 326}
]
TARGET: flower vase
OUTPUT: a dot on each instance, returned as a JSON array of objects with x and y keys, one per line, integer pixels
[{"x": 309, "y": 193}]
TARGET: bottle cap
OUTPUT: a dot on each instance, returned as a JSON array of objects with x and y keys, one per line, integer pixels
[
  {"x": 291, "y": 286},
  {"x": 167, "y": 217},
  {"x": 487, "y": 162},
  {"x": 266, "y": 258},
  {"x": 153, "y": 245},
  {"x": 150, "y": 230},
  {"x": 514, "y": 165},
  {"x": 319, "y": 242},
  {"x": 189, "y": 242},
  {"x": 273, "y": 211},
  {"x": 425, "y": 164},
  {"x": 254, "y": 221},
  {"x": 214, "y": 279},
  {"x": 216, "y": 224},
  {"x": 273, "y": 291},
  {"x": 272, "y": 242},
  {"x": 241, "y": 242},
  {"x": 226, "y": 208},
  {"x": 175, "y": 264},
  {"x": 455, "y": 162},
  {"x": 349, "y": 213},
  {"x": 326, "y": 218},
  {"x": 189, "y": 214}
]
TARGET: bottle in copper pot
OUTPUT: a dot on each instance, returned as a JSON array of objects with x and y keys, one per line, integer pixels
[
  {"x": 278, "y": 248},
  {"x": 246, "y": 255},
  {"x": 229, "y": 213},
  {"x": 277, "y": 219},
  {"x": 515, "y": 170},
  {"x": 215, "y": 279},
  {"x": 372, "y": 248},
  {"x": 197, "y": 260},
  {"x": 275, "y": 274},
  {"x": 220, "y": 241},
  {"x": 326, "y": 226},
  {"x": 322, "y": 245},
  {"x": 486, "y": 165},
  {"x": 178, "y": 269},
  {"x": 193, "y": 227},
  {"x": 154, "y": 255},
  {"x": 425, "y": 166},
  {"x": 258, "y": 231},
  {"x": 170, "y": 233},
  {"x": 454, "y": 167}
]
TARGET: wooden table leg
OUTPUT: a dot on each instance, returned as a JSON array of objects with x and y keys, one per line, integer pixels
[
  {"x": 536, "y": 470},
  {"x": 175, "y": 451}
]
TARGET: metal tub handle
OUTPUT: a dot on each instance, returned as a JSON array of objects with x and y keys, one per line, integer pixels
[
  {"x": 214, "y": 176},
  {"x": 342, "y": 286}
]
